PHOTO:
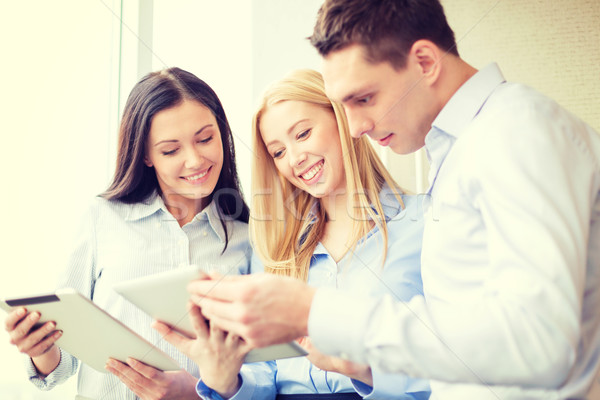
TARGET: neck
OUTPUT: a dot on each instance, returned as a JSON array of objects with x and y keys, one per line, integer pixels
[
  {"x": 455, "y": 73},
  {"x": 336, "y": 206},
  {"x": 182, "y": 208}
]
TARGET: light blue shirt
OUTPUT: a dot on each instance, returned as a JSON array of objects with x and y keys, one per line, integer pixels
[
  {"x": 119, "y": 242},
  {"x": 510, "y": 261},
  {"x": 358, "y": 274}
]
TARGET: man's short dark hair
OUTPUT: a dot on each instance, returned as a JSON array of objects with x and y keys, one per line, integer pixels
[{"x": 387, "y": 28}]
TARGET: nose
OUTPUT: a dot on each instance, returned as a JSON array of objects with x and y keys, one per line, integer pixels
[
  {"x": 193, "y": 158},
  {"x": 296, "y": 157},
  {"x": 358, "y": 123}
]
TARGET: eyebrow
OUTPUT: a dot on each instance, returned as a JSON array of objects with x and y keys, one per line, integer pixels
[
  {"x": 175, "y": 140},
  {"x": 359, "y": 92},
  {"x": 289, "y": 131},
  {"x": 349, "y": 97}
]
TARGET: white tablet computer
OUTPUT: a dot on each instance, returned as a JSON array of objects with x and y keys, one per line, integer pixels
[
  {"x": 164, "y": 297},
  {"x": 90, "y": 333}
]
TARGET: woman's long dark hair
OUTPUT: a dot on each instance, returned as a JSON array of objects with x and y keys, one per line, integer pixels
[{"x": 134, "y": 181}]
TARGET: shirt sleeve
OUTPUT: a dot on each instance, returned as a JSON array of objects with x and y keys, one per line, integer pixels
[
  {"x": 258, "y": 383},
  {"x": 526, "y": 318},
  {"x": 66, "y": 368}
]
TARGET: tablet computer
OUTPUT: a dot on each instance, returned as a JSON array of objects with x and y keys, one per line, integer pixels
[
  {"x": 164, "y": 297},
  {"x": 90, "y": 333}
]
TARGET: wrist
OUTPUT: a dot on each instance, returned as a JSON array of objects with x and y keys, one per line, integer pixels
[
  {"x": 227, "y": 389},
  {"x": 47, "y": 362},
  {"x": 364, "y": 375}
]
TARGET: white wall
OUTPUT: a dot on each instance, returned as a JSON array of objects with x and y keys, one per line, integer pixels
[
  {"x": 212, "y": 39},
  {"x": 57, "y": 80}
]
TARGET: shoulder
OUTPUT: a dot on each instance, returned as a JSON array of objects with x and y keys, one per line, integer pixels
[
  {"x": 408, "y": 224},
  {"x": 102, "y": 207},
  {"x": 518, "y": 112},
  {"x": 519, "y": 126}
]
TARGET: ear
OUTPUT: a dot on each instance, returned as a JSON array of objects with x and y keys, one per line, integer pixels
[
  {"x": 428, "y": 59},
  {"x": 148, "y": 162}
]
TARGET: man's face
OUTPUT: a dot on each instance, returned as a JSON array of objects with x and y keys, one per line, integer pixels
[{"x": 393, "y": 107}]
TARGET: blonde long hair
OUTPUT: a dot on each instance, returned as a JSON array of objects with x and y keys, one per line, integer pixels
[{"x": 283, "y": 227}]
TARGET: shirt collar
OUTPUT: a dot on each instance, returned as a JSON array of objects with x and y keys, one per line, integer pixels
[
  {"x": 145, "y": 208},
  {"x": 389, "y": 203},
  {"x": 154, "y": 203},
  {"x": 468, "y": 100},
  {"x": 211, "y": 213},
  {"x": 457, "y": 114}
]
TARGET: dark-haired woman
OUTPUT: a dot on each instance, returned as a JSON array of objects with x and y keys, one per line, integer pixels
[{"x": 175, "y": 200}]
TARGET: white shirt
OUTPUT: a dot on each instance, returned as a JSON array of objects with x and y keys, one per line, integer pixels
[
  {"x": 510, "y": 260},
  {"x": 118, "y": 242}
]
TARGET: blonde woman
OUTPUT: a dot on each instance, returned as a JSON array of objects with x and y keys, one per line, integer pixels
[{"x": 324, "y": 211}]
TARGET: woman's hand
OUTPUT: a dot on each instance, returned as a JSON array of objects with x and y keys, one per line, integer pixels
[
  {"x": 219, "y": 355},
  {"x": 352, "y": 370},
  {"x": 151, "y": 384},
  {"x": 36, "y": 342}
]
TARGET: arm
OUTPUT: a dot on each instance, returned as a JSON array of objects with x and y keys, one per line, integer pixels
[{"x": 525, "y": 294}]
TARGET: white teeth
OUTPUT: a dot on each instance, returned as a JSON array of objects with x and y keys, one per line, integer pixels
[
  {"x": 308, "y": 175},
  {"x": 195, "y": 177}
]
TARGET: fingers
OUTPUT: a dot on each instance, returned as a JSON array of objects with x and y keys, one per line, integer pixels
[
  {"x": 234, "y": 341},
  {"x": 304, "y": 341},
  {"x": 199, "y": 323},
  {"x": 217, "y": 334},
  {"x": 220, "y": 310},
  {"x": 171, "y": 336},
  {"x": 29, "y": 339},
  {"x": 21, "y": 328},
  {"x": 130, "y": 377},
  {"x": 219, "y": 287},
  {"x": 146, "y": 371},
  {"x": 203, "y": 275},
  {"x": 231, "y": 327},
  {"x": 40, "y": 341},
  {"x": 13, "y": 318}
]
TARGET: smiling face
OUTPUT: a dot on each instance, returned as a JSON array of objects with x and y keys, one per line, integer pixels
[
  {"x": 184, "y": 147},
  {"x": 393, "y": 107},
  {"x": 305, "y": 145}
]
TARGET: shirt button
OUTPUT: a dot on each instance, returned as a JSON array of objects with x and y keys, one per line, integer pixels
[
  {"x": 158, "y": 224},
  {"x": 204, "y": 233},
  {"x": 181, "y": 242}
]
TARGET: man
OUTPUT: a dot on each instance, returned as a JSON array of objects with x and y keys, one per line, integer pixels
[{"x": 511, "y": 256}]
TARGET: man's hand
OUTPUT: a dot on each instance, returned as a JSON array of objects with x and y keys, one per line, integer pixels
[{"x": 263, "y": 309}]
